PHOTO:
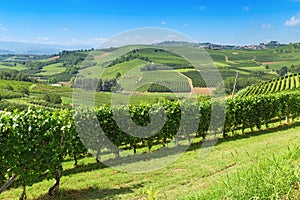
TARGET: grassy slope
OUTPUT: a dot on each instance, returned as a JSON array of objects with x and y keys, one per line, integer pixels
[
  {"x": 52, "y": 69},
  {"x": 16, "y": 85},
  {"x": 189, "y": 174},
  {"x": 287, "y": 84},
  {"x": 123, "y": 68},
  {"x": 19, "y": 67}
]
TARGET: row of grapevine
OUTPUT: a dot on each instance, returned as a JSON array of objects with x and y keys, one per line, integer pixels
[
  {"x": 255, "y": 111},
  {"x": 209, "y": 78},
  {"x": 10, "y": 106},
  {"x": 198, "y": 78},
  {"x": 170, "y": 86},
  {"x": 276, "y": 85},
  {"x": 34, "y": 143}
]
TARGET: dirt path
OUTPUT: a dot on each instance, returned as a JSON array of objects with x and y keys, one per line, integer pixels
[
  {"x": 276, "y": 62},
  {"x": 198, "y": 90},
  {"x": 53, "y": 58},
  {"x": 102, "y": 55},
  {"x": 189, "y": 81},
  {"x": 226, "y": 59}
]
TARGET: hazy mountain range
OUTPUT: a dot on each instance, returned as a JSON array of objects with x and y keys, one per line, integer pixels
[
  {"x": 40, "y": 49},
  {"x": 34, "y": 48}
]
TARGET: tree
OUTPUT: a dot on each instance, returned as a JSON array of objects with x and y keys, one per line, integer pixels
[
  {"x": 267, "y": 67},
  {"x": 52, "y": 80},
  {"x": 283, "y": 71},
  {"x": 99, "y": 85},
  {"x": 292, "y": 68},
  {"x": 118, "y": 75},
  {"x": 107, "y": 85}
]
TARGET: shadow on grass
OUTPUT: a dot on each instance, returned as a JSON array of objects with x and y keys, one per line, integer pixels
[
  {"x": 283, "y": 127},
  {"x": 89, "y": 193},
  {"x": 164, "y": 152},
  {"x": 84, "y": 168},
  {"x": 170, "y": 151}
]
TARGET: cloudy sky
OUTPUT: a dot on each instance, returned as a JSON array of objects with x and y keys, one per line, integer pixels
[{"x": 89, "y": 22}]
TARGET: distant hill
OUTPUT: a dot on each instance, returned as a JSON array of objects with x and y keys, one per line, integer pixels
[
  {"x": 208, "y": 45},
  {"x": 3, "y": 51},
  {"x": 33, "y": 48}
]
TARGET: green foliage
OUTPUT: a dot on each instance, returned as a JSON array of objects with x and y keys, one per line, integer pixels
[
  {"x": 8, "y": 106},
  {"x": 283, "y": 71},
  {"x": 53, "y": 98},
  {"x": 242, "y": 82},
  {"x": 152, "y": 195},
  {"x": 9, "y": 87},
  {"x": 14, "y": 75},
  {"x": 285, "y": 83},
  {"x": 35, "y": 142},
  {"x": 170, "y": 86},
  {"x": 196, "y": 78},
  {"x": 277, "y": 177},
  {"x": 52, "y": 80},
  {"x": 208, "y": 78}
]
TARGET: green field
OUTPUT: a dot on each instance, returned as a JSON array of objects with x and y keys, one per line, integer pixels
[
  {"x": 187, "y": 177},
  {"x": 18, "y": 67},
  {"x": 52, "y": 69},
  {"x": 121, "y": 68}
]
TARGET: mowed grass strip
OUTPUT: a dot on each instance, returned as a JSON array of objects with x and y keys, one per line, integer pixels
[{"x": 190, "y": 174}]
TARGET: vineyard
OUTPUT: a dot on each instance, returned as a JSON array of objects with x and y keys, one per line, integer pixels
[
  {"x": 36, "y": 142},
  {"x": 168, "y": 86},
  {"x": 288, "y": 82},
  {"x": 208, "y": 78}
]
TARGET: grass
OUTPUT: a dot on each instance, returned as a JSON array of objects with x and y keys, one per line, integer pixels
[
  {"x": 18, "y": 67},
  {"x": 123, "y": 68},
  {"x": 190, "y": 174},
  {"x": 100, "y": 98},
  {"x": 256, "y": 68},
  {"x": 277, "y": 177},
  {"x": 52, "y": 69}
]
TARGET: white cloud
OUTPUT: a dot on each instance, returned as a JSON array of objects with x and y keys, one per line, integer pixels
[
  {"x": 267, "y": 26},
  {"x": 245, "y": 8},
  {"x": 163, "y": 22},
  {"x": 2, "y": 29},
  {"x": 185, "y": 25},
  {"x": 43, "y": 39},
  {"x": 63, "y": 30},
  {"x": 293, "y": 21}
]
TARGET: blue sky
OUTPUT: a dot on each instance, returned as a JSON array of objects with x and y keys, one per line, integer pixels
[{"x": 88, "y": 22}]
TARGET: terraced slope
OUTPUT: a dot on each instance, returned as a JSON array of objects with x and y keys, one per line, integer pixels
[{"x": 284, "y": 83}]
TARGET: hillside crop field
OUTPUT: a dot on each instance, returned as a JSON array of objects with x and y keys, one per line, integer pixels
[{"x": 39, "y": 96}]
